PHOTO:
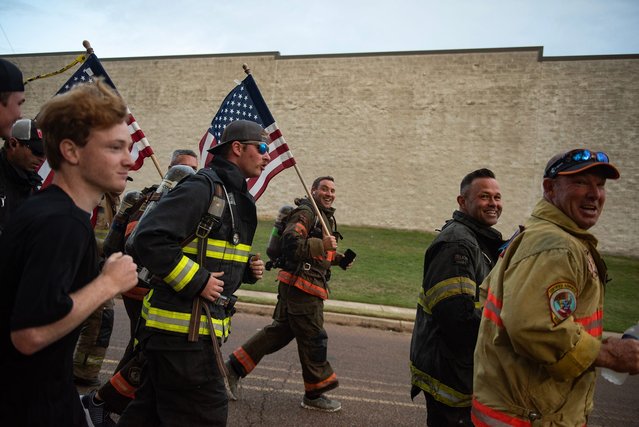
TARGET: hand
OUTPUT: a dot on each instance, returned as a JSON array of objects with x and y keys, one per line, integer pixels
[
  {"x": 121, "y": 272},
  {"x": 257, "y": 266},
  {"x": 214, "y": 287},
  {"x": 619, "y": 355},
  {"x": 330, "y": 243}
]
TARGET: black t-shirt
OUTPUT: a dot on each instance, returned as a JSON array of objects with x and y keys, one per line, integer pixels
[{"x": 47, "y": 252}]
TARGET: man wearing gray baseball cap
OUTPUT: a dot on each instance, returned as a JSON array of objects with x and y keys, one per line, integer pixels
[{"x": 20, "y": 157}]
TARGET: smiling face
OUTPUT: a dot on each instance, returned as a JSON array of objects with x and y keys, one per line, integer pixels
[
  {"x": 581, "y": 197},
  {"x": 324, "y": 194},
  {"x": 482, "y": 201}
]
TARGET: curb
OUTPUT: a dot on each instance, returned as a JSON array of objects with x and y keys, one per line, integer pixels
[
  {"x": 335, "y": 318},
  {"x": 336, "y": 312}
]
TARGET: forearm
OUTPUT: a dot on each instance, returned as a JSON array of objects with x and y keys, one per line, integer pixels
[{"x": 85, "y": 301}]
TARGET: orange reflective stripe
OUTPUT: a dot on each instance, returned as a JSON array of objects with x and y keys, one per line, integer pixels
[
  {"x": 299, "y": 228},
  {"x": 122, "y": 386},
  {"x": 483, "y": 416},
  {"x": 302, "y": 284},
  {"x": 129, "y": 228},
  {"x": 492, "y": 309},
  {"x": 321, "y": 384},
  {"x": 244, "y": 358},
  {"x": 330, "y": 255},
  {"x": 593, "y": 324},
  {"x": 137, "y": 293}
]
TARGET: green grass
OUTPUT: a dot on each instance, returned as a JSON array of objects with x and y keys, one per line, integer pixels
[{"x": 389, "y": 263}]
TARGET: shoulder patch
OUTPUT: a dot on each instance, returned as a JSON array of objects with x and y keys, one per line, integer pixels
[
  {"x": 460, "y": 259},
  {"x": 562, "y": 300}
]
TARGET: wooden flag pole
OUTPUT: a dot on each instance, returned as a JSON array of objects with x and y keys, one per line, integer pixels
[
  {"x": 154, "y": 159},
  {"x": 325, "y": 229}
]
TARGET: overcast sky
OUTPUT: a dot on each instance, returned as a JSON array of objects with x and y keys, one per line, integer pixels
[{"x": 118, "y": 28}]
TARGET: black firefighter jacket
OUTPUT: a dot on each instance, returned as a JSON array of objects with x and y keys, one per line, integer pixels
[
  {"x": 448, "y": 312},
  {"x": 178, "y": 277}
]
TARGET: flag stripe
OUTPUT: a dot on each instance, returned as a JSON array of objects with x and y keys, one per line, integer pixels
[
  {"x": 245, "y": 102},
  {"x": 90, "y": 69}
]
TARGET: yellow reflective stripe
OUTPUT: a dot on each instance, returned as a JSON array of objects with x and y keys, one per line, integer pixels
[
  {"x": 439, "y": 390},
  {"x": 182, "y": 273},
  {"x": 221, "y": 249},
  {"x": 445, "y": 289},
  {"x": 175, "y": 321}
]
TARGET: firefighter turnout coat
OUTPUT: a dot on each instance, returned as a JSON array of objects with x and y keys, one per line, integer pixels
[
  {"x": 178, "y": 278},
  {"x": 448, "y": 314},
  {"x": 541, "y": 327}
]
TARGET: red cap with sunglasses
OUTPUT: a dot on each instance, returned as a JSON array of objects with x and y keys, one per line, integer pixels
[
  {"x": 27, "y": 133},
  {"x": 580, "y": 160}
]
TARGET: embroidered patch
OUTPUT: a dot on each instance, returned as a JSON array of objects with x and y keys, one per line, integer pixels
[
  {"x": 460, "y": 259},
  {"x": 562, "y": 300}
]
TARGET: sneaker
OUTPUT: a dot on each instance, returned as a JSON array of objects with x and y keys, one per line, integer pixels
[
  {"x": 96, "y": 412},
  {"x": 321, "y": 403},
  {"x": 234, "y": 380}
]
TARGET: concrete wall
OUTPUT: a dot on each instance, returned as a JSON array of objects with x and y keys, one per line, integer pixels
[{"x": 399, "y": 130}]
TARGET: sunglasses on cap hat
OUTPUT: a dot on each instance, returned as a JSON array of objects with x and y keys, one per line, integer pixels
[
  {"x": 575, "y": 161},
  {"x": 262, "y": 147}
]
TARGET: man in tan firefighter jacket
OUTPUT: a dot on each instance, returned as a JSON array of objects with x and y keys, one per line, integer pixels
[
  {"x": 540, "y": 334},
  {"x": 182, "y": 384},
  {"x": 303, "y": 287},
  {"x": 448, "y": 313}
]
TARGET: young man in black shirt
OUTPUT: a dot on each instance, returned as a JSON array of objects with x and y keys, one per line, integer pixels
[{"x": 48, "y": 257}]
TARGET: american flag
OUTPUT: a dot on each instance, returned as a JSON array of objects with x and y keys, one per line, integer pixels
[
  {"x": 245, "y": 102},
  {"x": 89, "y": 69}
]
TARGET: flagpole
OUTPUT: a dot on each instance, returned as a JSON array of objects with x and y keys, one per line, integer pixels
[
  {"x": 247, "y": 70},
  {"x": 87, "y": 46}
]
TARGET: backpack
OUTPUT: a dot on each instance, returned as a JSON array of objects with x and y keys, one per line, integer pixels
[
  {"x": 274, "y": 247},
  {"x": 135, "y": 205}
]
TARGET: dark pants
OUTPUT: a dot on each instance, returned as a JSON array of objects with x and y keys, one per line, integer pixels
[
  {"x": 440, "y": 415},
  {"x": 297, "y": 315},
  {"x": 181, "y": 386},
  {"x": 133, "y": 309}
]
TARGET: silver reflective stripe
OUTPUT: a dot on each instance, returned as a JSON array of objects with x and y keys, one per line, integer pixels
[
  {"x": 182, "y": 273},
  {"x": 174, "y": 321},
  {"x": 220, "y": 249}
]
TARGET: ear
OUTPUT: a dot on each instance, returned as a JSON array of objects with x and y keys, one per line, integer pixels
[
  {"x": 549, "y": 186},
  {"x": 236, "y": 147},
  {"x": 461, "y": 201},
  {"x": 13, "y": 143},
  {"x": 69, "y": 151}
]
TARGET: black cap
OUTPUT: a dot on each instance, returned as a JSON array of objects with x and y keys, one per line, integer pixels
[
  {"x": 10, "y": 77},
  {"x": 240, "y": 130}
]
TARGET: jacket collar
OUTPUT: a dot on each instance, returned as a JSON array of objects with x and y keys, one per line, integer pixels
[
  {"x": 546, "y": 211},
  {"x": 477, "y": 227},
  {"x": 229, "y": 173}
]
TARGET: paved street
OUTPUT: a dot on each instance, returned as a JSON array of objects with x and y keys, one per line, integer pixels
[{"x": 372, "y": 366}]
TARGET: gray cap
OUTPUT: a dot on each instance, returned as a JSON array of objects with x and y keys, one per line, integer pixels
[
  {"x": 240, "y": 130},
  {"x": 27, "y": 132}
]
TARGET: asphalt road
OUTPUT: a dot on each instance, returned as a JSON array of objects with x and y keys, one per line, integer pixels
[{"x": 372, "y": 367}]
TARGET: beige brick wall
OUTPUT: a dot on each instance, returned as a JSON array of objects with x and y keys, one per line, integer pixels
[{"x": 399, "y": 130}]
